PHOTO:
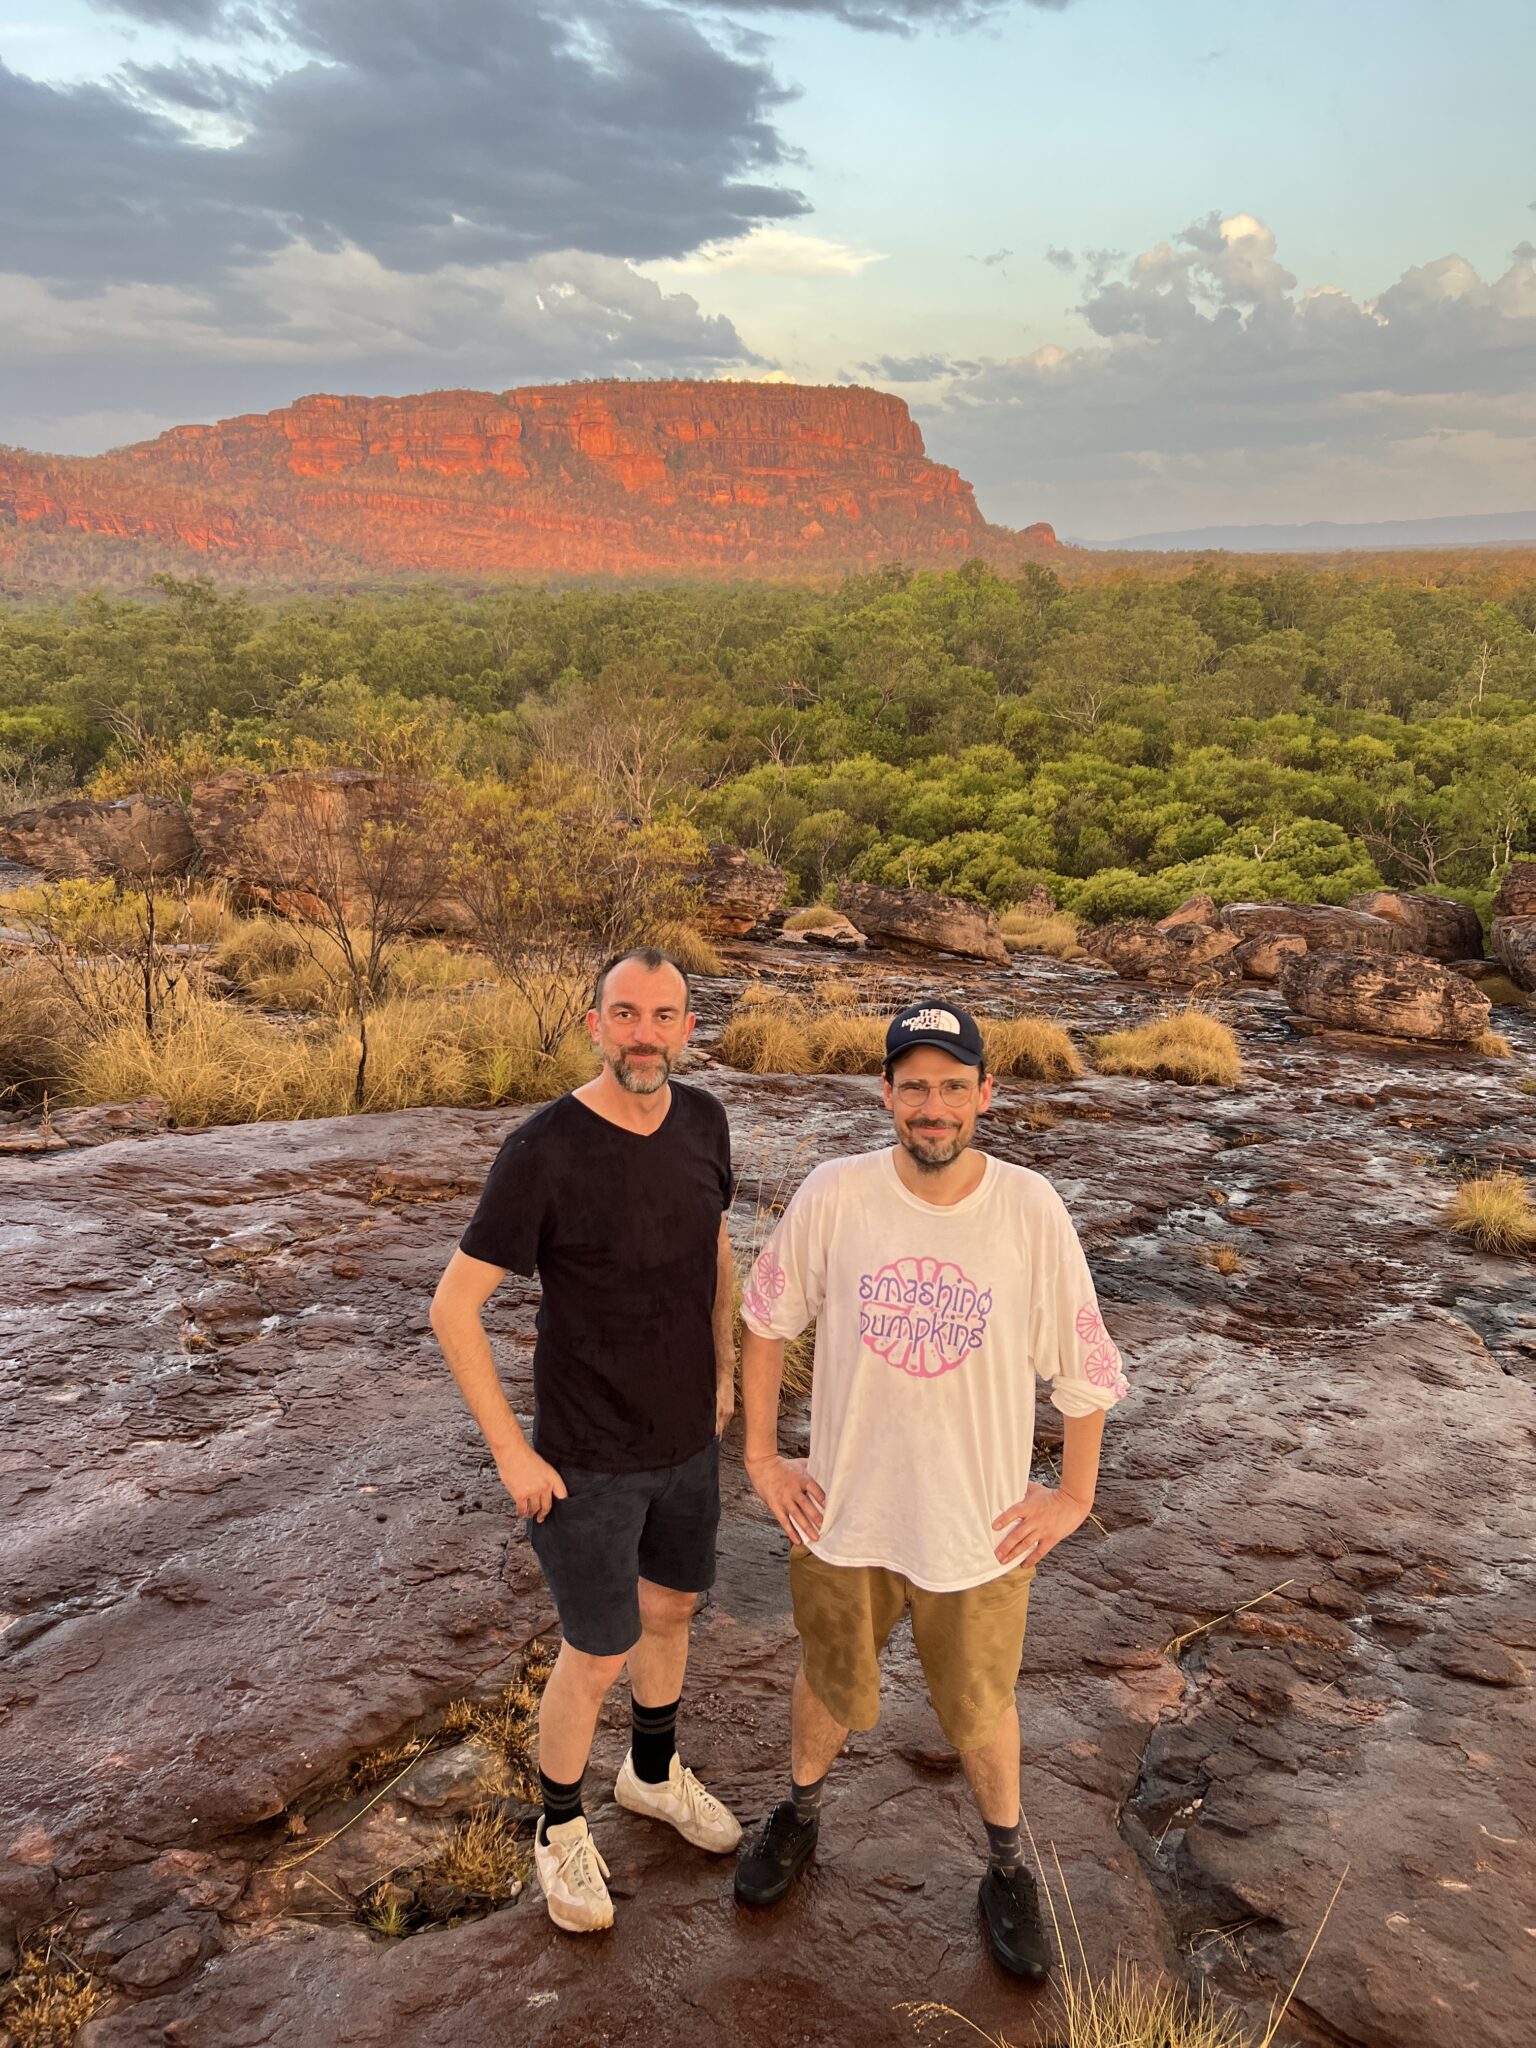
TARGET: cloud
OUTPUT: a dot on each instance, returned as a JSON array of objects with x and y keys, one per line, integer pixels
[
  {"x": 1211, "y": 379},
  {"x": 1061, "y": 259},
  {"x": 899, "y": 17},
  {"x": 776, "y": 252},
  {"x": 913, "y": 369},
  {"x": 424, "y": 131},
  {"x": 994, "y": 260}
]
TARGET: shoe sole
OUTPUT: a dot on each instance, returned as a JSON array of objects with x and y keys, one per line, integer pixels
[
  {"x": 577, "y": 1926},
  {"x": 771, "y": 1895},
  {"x": 624, "y": 1797}
]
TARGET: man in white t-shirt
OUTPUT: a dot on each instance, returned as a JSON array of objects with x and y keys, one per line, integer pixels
[{"x": 943, "y": 1284}]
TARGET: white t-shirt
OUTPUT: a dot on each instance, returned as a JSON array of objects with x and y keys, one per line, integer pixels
[{"x": 932, "y": 1325}]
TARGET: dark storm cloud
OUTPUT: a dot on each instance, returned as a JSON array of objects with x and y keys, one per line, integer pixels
[{"x": 426, "y": 132}]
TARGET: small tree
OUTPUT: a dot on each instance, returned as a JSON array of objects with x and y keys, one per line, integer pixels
[
  {"x": 355, "y": 859},
  {"x": 554, "y": 883}
]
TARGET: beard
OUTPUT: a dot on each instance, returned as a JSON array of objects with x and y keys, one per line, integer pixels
[
  {"x": 932, "y": 1150},
  {"x": 646, "y": 1080}
]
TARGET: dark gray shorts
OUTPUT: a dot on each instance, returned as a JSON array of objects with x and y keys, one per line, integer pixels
[{"x": 614, "y": 1529}]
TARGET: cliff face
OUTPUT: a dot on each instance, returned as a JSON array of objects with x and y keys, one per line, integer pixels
[{"x": 577, "y": 478}]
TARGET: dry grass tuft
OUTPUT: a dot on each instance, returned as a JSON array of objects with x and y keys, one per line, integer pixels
[
  {"x": 816, "y": 917},
  {"x": 1184, "y": 1045},
  {"x": 377, "y": 1767},
  {"x": 281, "y": 966},
  {"x": 844, "y": 1043},
  {"x": 48, "y": 2000},
  {"x": 485, "y": 1853},
  {"x": 98, "y": 916},
  {"x": 1224, "y": 1258},
  {"x": 508, "y": 1722},
  {"x": 757, "y": 1040},
  {"x": 1527, "y": 1084},
  {"x": 1027, "y": 931},
  {"x": 1494, "y": 1046},
  {"x": 689, "y": 948},
  {"x": 1495, "y": 1211},
  {"x": 1030, "y": 1047}
]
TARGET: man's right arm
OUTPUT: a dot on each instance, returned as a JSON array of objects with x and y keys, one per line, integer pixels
[
  {"x": 784, "y": 1483},
  {"x": 466, "y": 1286}
]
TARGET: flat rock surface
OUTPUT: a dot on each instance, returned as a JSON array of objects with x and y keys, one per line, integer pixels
[{"x": 250, "y": 1533}]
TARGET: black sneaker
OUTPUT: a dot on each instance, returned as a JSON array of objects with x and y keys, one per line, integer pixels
[
  {"x": 771, "y": 1863},
  {"x": 1011, "y": 1908}
]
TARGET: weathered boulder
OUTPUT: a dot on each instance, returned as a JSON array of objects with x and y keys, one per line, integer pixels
[
  {"x": 921, "y": 919},
  {"x": 1200, "y": 909},
  {"x": 1516, "y": 894},
  {"x": 294, "y": 839},
  {"x": 1407, "y": 997},
  {"x": 1260, "y": 957},
  {"x": 135, "y": 838},
  {"x": 1325, "y": 927},
  {"x": 841, "y": 937},
  {"x": 1514, "y": 945},
  {"x": 736, "y": 892},
  {"x": 1437, "y": 926},
  {"x": 1183, "y": 955}
]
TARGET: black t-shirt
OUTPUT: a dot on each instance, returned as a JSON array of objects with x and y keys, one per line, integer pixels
[{"x": 623, "y": 1232}]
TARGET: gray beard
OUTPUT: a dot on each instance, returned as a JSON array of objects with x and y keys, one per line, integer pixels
[
  {"x": 638, "y": 1083},
  {"x": 929, "y": 1163}
]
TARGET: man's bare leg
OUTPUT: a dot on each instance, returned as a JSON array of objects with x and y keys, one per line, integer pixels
[
  {"x": 816, "y": 1740},
  {"x": 993, "y": 1772},
  {"x": 573, "y": 1699},
  {"x": 659, "y": 1661}
]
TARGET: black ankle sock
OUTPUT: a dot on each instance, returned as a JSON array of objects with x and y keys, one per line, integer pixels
[
  {"x": 653, "y": 1741},
  {"x": 561, "y": 1802},
  {"x": 1005, "y": 1852},
  {"x": 807, "y": 1798}
]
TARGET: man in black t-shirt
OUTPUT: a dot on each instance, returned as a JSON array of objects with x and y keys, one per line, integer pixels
[{"x": 615, "y": 1196}]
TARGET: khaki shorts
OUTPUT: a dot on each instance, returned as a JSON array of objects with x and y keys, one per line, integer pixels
[{"x": 969, "y": 1643}]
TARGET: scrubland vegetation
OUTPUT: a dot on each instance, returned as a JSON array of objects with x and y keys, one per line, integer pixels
[{"x": 1248, "y": 729}]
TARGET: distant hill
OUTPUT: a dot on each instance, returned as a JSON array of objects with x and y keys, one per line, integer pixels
[
  {"x": 1473, "y": 529},
  {"x": 608, "y": 478}
]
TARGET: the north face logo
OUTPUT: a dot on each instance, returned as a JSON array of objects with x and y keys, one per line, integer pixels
[{"x": 932, "y": 1020}]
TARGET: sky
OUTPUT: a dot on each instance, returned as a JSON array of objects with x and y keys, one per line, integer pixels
[{"x": 1134, "y": 264}]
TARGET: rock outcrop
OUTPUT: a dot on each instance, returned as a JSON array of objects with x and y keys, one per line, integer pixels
[
  {"x": 133, "y": 839},
  {"x": 1260, "y": 957},
  {"x": 1181, "y": 955},
  {"x": 735, "y": 891},
  {"x": 1199, "y": 909},
  {"x": 1438, "y": 927},
  {"x": 924, "y": 920},
  {"x": 714, "y": 478},
  {"x": 1516, "y": 893},
  {"x": 1408, "y": 997},
  {"x": 1325, "y": 927},
  {"x": 1514, "y": 946}
]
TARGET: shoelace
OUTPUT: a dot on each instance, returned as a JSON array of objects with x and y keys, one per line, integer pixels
[
  {"x": 697, "y": 1797},
  {"x": 576, "y": 1865}
]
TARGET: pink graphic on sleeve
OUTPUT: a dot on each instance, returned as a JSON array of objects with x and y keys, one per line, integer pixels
[
  {"x": 1102, "y": 1364},
  {"x": 922, "y": 1315},
  {"x": 765, "y": 1287}
]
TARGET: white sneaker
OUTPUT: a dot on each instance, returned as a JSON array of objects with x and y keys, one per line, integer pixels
[
  {"x": 683, "y": 1803},
  {"x": 571, "y": 1872}
]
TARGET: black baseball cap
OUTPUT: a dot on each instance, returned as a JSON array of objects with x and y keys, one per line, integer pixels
[{"x": 945, "y": 1025}]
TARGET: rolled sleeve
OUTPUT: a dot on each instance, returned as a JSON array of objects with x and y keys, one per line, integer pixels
[
  {"x": 784, "y": 1290},
  {"x": 1073, "y": 1351}
]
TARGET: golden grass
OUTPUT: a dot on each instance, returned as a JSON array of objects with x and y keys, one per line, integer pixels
[
  {"x": 215, "y": 1063},
  {"x": 1527, "y": 1084},
  {"x": 689, "y": 948},
  {"x": 485, "y": 1853},
  {"x": 1494, "y": 1045},
  {"x": 842, "y": 1043},
  {"x": 762, "y": 1041},
  {"x": 99, "y": 916},
  {"x": 1026, "y": 931},
  {"x": 1030, "y": 1047},
  {"x": 508, "y": 1722},
  {"x": 816, "y": 917},
  {"x": 282, "y": 966},
  {"x": 1495, "y": 1211},
  {"x": 1224, "y": 1258},
  {"x": 48, "y": 2000},
  {"x": 37, "y": 1021},
  {"x": 1183, "y": 1045}
]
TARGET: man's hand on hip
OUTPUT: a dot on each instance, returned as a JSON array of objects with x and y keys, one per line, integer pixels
[
  {"x": 725, "y": 1403},
  {"x": 1038, "y": 1523},
  {"x": 534, "y": 1484},
  {"x": 795, "y": 1498}
]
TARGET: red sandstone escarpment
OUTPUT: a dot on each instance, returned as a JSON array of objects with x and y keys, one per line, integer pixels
[{"x": 577, "y": 478}]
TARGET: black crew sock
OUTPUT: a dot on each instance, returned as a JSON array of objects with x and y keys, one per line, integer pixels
[
  {"x": 807, "y": 1798},
  {"x": 561, "y": 1802},
  {"x": 653, "y": 1741},
  {"x": 1005, "y": 1852}
]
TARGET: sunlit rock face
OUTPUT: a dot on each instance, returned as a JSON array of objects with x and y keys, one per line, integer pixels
[{"x": 737, "y": 478}]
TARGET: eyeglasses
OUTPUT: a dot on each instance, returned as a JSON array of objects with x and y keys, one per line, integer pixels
[{"x": 953, "y": 1094}]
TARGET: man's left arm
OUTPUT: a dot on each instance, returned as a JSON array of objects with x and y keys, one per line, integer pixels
[
  {"x": 725, "y": 1331},
  {"x": 1032, "y": 1527}
]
